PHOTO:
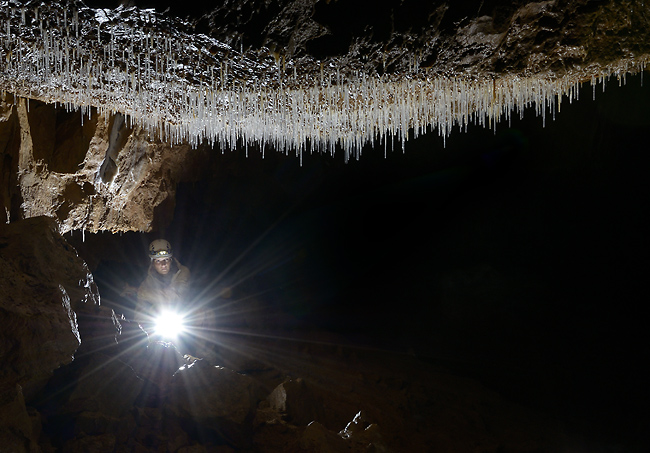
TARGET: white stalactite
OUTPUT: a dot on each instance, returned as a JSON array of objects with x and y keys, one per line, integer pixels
[{"x": 164, "y": 80}]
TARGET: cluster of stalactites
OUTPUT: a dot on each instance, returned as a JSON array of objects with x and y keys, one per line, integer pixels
[{"x": 183, "y": 87}]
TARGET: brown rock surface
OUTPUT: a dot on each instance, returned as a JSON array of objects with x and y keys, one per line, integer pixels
[
  {"x": 333, "y": 399},
  {"x": 359, "y": 397},
  {"x": 463, "y": 37},
  {"x": 92, "y": 174},
  {"x": 17, "y": 433},
  {"x": 210, "y": 392},
  {"x": 42, "y": 282}
]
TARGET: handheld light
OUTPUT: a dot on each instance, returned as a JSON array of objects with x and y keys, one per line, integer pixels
[{"x": 169, "y": 325}]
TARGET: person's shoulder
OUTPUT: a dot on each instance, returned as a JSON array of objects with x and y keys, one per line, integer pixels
[
  {"x": 149, "y": 277},
  {"x": 183, "y": 271},
  {"x": 146, "y": 288}
]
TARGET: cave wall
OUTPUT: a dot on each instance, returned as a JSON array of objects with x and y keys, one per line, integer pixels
[
  {"x": 87, "y": 171},
  {"x": 43, "y": 281}
]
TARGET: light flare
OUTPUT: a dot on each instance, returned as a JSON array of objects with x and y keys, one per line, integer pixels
[{"x": 169, "y": 325}]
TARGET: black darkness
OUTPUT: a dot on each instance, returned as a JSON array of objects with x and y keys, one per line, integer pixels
[{"x": 518, "y": 256}]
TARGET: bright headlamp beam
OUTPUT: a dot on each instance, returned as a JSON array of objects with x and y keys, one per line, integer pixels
[{"x": 169, "y": 325}]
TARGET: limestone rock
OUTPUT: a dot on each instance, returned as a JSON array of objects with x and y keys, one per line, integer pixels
[
  {"x": 94, "y": 174},
  {"x": 363, "y": 435},
  {"x": 104, "y": 442},
  {"x": 359, "y": 436},
  {"x": 212, "y": 392},
  {"x": 219, "y": 401},
  {"x": 156, "y": 363},
  {"x": 106, "y": 386},
  {"x": 316, "y": 438},
  {"x": 42, "y": 281},
  {"x": 99, "y": 328},
  {"x": 295, "y": 399},
  {"x": 16, "y": 429},
  {"x": 404, "y": 36},
  {"x": 9, "y": 143}
]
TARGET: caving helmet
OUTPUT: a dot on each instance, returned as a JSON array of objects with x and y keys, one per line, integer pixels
[{"x": 160, "y": 248}]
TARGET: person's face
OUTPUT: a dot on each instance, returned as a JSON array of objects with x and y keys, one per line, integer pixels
[{"x": 162, "y": 265}]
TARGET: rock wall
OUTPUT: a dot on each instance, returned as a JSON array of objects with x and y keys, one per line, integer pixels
[
  {"x": 43, "y": 281},
  {"x": 50, "y": 315},
  {"x": 87, "y": 171}
]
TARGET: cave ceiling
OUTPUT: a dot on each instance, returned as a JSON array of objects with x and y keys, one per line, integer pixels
[{"x": 106, "y": 106}]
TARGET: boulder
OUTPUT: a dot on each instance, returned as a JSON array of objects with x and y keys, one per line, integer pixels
[
  {"x": 106, "y": 386},
  {"x": 43, "y": 281},
  {"x": 204, "y": 391},
  {"x": 318, "y": 439},
  {"x": 299, "y": 404},
  {"x": 219, "y": 402},
  {"x": 17, "y": 433}
]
